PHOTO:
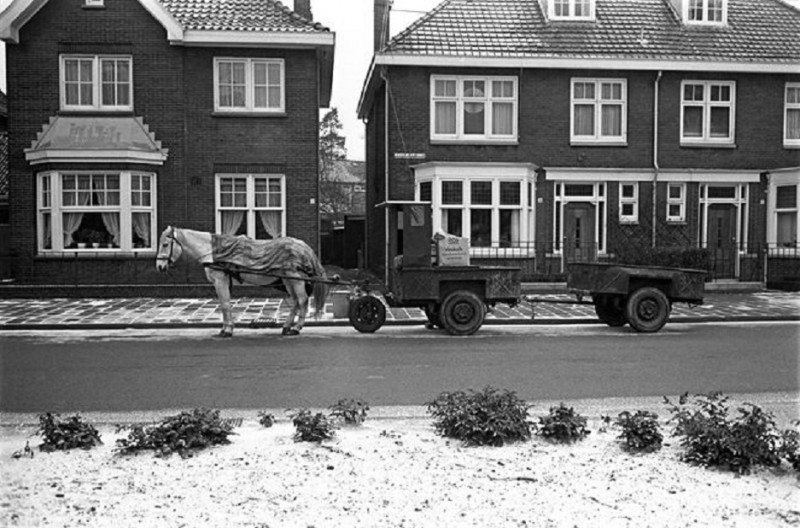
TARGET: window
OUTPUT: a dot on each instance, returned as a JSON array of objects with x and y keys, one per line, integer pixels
[
  {"x": 599, "y": 110},
  {"x": 96, "y": 211},
  {"x": 249, "y": 85},
  {"x": 786, "y": 215},
  {"x": 629, "y": 203},
  {"x": 707, "y": 112},
  {"x": 571, "y": 9},
  {"x": 705, "y": 11},
  {"x": 252, "y": 205},
  {"x": 96, "y": 82},
  {"x": 473, "y": 108},
  {"x": 791, "y": 134},
  {"x": 676, "y": 202}
]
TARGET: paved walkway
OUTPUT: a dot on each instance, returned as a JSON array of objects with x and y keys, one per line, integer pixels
[{"x": 33, "y": 314}]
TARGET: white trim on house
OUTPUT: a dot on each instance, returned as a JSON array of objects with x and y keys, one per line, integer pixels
[
  {"x": 664, "y": 175},
  {"x": 255, "y": 39},
  {"x": 780, "y": 178},
  {"x": 94, "y": 156}
]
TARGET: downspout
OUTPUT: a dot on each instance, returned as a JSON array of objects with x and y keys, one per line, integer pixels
[
  {"x": 386, "y": 210},
  {"x": 655, "y": 156}
]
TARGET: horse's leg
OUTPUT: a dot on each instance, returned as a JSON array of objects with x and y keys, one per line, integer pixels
[
  {"x": 222, "y": 286},
  {"x": 287, "y": 325},
  {"x": 298, "y": 290}
]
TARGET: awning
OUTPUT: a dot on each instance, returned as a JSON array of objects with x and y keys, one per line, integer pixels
[{"x": 96, "y": 140}]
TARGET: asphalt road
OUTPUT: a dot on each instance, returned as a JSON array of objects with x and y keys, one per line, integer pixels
[{"x": 117, "y": 371}]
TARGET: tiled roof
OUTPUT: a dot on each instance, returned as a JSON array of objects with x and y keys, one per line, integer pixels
[
  {"x": 757, "y": 31},
  {"x": 239, "y": 15}
]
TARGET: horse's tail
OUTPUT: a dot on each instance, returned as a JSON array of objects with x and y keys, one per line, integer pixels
[{"x": 321, "y": 289}]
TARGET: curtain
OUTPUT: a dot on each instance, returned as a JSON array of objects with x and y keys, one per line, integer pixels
[
  {"x": 110, "y": 220},
  {"x": 47, "y": 232},
  {"x": 611, "y": 120},
  {"x": 793, "y": 124},
  {"x": 141, "y": 225},
  {"x": 231, "y": 220},
  {"x": 503, "y": 119},
  {"x": 271, "y": 220},
  {"x": 72, "y": 221},
  {"x": 445, "y": 119},
  {"x": 584, "y": 120}
]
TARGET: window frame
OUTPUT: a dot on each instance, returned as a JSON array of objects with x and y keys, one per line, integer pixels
[
  {"x": 49, "y": 200},
  {"x": 629, "y": 200},
  {"x": 597, "y": 136},
  {"x": 706, "y": 104},
  {"x": 775, "y": 211},
  {"x": 787, "y": 106},
  {"x": 571, "y": 7},
  {"x": 250, "y": 208},
  {"x": 97, "y": 83},
  {"x": 706, "y": 9},
  {"x": 681, "y": 202},
  {"x": 249, "y": 106},
  {"x": 489, "y": 99}
]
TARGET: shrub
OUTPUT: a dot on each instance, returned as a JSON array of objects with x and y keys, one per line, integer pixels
[
  {"x": 353, "y": 412},
  {"x": 70, "y": 433},
  {"x": 712, "y": 439},
  {"x": 266, "y": 419},
  {"x": 790, "y": 447},
  {"x": 183, "y": 433},
  {"x": 312, "y": 428},
  {"x": 640, "y": 431},
  {"x": 563, "y": 425},
  {"x": 489, "y": 417}
]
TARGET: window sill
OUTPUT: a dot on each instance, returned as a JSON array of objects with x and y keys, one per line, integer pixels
[
  {"x": 628, "y": 222},
  {"x": 700, "y": 144},
  {"x": 588, "y": 143},
  {"x": 792, "y": 146},
  {"x": 488, "y": 142},
  {"x": 248, "y": 114},
  {"x": 677, "y": 222}
]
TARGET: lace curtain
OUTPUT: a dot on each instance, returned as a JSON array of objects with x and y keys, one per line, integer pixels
[{"x": 271, "y": 220}]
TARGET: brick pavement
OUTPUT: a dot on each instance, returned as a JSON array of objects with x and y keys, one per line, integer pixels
[{"x": 184, "y": 312}]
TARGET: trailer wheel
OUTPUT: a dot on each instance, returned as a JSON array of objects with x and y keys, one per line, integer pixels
[
  {"x": 366, "y": 313},
  {"x": 462, "y": 313},
  {"x": 432, "y": 313},
  {"x": 610, "y": 309},
  {"x": 647, "y": 309}
]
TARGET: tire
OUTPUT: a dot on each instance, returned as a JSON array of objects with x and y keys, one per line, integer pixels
[
  {"x": 366, "y": 313},
  {"x": 647, "y": 310},
  {"x": 462, "y": 313},
  {"x": 610, "y": 309},
  {"x": 432, "y": 313}
]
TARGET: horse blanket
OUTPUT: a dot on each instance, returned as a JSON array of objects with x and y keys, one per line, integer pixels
[{"x": 284, "y": 254}]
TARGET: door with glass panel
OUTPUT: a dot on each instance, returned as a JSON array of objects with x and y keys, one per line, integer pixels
[
  {"x": 580, "y": 237},
  {"x": 721, "y": 239}
]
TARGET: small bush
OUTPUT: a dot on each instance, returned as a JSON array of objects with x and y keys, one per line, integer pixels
[
  {"x": 69, "y": 433},
  {"x": 640, "y": 431},
  {"x": 266, "y": 419},
  {"x": 312, "y": 428},
  {"x": 712, "y": 439},
  {"x": 790, "y": 447},
  {"x": 353, "y": 412},
  {"x": 183, "y": 433},
  {"x": 562, "y": 425},
  {"x": 489, "y": 417}
]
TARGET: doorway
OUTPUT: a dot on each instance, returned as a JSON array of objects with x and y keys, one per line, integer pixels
[
  {"x": 580, "y": 236},
  {"x": 721, "y": 239}
]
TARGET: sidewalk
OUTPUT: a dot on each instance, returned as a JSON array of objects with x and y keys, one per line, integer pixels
[{"x": 115, "y": 313}]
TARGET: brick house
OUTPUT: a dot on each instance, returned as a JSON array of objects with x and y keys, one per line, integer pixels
[
  {"x": 126, "y": 116},
  {"x": 551, "y": 130}
]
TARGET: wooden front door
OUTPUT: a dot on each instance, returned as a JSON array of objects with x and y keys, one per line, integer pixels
[
  {"x": 579, "y": 232},
  {"x": 721, "y": 239}
]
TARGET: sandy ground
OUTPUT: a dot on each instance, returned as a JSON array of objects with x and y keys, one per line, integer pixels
[{"x": 388, "y": 472}]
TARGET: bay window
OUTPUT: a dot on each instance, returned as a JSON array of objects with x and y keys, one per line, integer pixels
[
  {"x": 707, "y": 112},
  {"x": 96, "y": 82},
  {"x": 473, "y": 108},
  {"x": 599, "y": 110},
  {"x": 251, "y": 204},
  {"x": 786, "y": 215},
  {"x": 96, "y": 211}
]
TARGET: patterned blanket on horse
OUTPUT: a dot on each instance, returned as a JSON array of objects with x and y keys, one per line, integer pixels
[{"x": 284, "y": 254}]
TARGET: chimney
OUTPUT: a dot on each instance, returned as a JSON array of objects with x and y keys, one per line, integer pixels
[
  {"x": 381, "y": 29},
  {"x": 303, "y": 8}
]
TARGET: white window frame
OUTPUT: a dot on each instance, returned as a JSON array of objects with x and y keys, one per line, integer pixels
[
  {"x": 739, "y": 201},
  {"x": 489, "y": 99},
  {"x": 680, "y": 202},
  {"x": 787, "y": 107},
  {"x": 706, "y": 104},
  {"x": 52, "y": 203},
  {"x": 249, "y": 106},
  {"x": 597, "y": 198},
  {"x": 97, "y": 83},
  {"x": 571, "y": 8},
  {"x": 706, "y": 10},
  {"x": 598, "y": 102},
  {"x": 251, "y": 209},
  {"x": 632, "y": 218},
  {"x": 782, "y": 180}
]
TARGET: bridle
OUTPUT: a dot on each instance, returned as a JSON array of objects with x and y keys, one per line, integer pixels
[{"x": 172, "y": 242}]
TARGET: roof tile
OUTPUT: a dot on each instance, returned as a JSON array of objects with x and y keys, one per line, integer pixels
[{"x": 239, "y": 15}]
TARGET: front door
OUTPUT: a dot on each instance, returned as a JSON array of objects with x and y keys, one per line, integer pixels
[
  {"x": 580, "y": 242},
  {"x": 721, "y": 239}
]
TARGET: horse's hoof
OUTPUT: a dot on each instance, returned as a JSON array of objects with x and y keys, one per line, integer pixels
[
  {"x": 224, "y": 333},
  {"x": 293, "y": 332},
  {"x": 285, "y": 331}
]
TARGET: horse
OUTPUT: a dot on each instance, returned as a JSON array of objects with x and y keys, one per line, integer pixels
[{"x": 237, "y": 260}]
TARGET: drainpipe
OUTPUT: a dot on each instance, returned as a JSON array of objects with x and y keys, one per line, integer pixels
[
  {"x": 655, "y": 154},
  {"x": 386, "y": 212}
]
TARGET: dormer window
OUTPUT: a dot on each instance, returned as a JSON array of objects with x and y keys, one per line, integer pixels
[
  {"x": 571, "y": 9},
  {"x": 705, "y": 11}
]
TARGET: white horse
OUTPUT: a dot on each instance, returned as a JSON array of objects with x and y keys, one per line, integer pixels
[{"x": 287, "y": 259}]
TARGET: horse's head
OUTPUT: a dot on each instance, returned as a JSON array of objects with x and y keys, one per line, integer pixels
[{"x": 169, "y": 249}]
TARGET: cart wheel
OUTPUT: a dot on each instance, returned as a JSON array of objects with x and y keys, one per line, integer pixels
[
  {"x": 366, "y": 313},
  {"x": 462, "y": 313},
  {"x": 647, "y": 310},
  {"x": 610, "y": 309},
  {"x": 432, "y": 313}
]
